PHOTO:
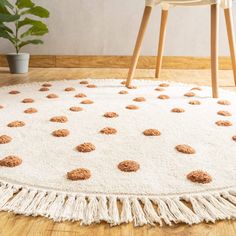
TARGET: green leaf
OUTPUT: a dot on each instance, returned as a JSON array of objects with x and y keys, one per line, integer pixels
[
  {"x": 34, "y": 41},
  {"x": 36, "y": 30},
  {"x": 5, "y": 28},
  {"x": 24, "y": 4},
  {"x": 28, "y": 21},
  {"x": 8, "y": 18},
  {"x": 37, "y": 11},
  {"x": 5, "y": 3},
  {"x": 6, "y": 35}
]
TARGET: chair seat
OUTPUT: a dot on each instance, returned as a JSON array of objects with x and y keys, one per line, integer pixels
[{"x": 166, "y": 3}]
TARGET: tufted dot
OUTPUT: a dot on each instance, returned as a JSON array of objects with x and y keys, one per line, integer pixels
[
  {"x": 84, "y": 82},
  {"x": 190, "y": 94},
  {"x": 224, "y": 102},
  {"x": 123, "y": 82},
  {"x": 91, "y": 86},
  {"x": 10, "y": 161},
  {"x": 234, "y": 138},
  {"x": 196, "y": 88},
  {"x": 52, "y": 95},
  {"x": 27, "y": 100},
  {"x": 14, "y": 92},
  {"x": 163, "y": 85},
  {"x": 159, "y": 89},
  {"x": 16, "y": 123},
  {"x": 163, "y": 96},
  {"x": 178, "y": 110},
  {"x": 110, "y": 115},
  {"x": 85, "y": 147},
  {"x": 108, "y": 130},
  {"x": 132, "y": 107},
  {"x": 1, "y": 107},
  {"x": 194, "y": 102},
  {"x": 151, "y": 132},
  {"x": 199, "y": 176},
  {"x": 184, "y": 148},
  {"x": 123, "y": 92},
  {"x": 44, "y": 89},
  {"x": 30, "y": 110},
  {"x": 69, "y": 89},
  {"x": 128, "y": 166},
  {"x": 80, "y": 95},
  {"x": 47, "y": 85},
  {"x": 223, "y": 123},
  {"x": 5, "y": 139},
  {"x": 76, "y": 109},
  {"x": 132, "y": 87},
  {"x": 59, "y": 119},
  {"x": 87, "y": 101},
  {"x": 61, "y": 133},
  {"x": 79, "y": 174},
  {"x": 139, "y": 99},
  {"x": 224, "y": 113}
]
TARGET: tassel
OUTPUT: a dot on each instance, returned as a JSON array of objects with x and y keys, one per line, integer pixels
[
  {"x": 6, "y": 193},
  {"x": 67, "y": 211},
  {"x": 113, "y": 211},
  {"x": 91, "y": 212},
  {"x": 55, "y": 209},
  {"x": 139, "y": 217},
  {"x": 126, "y": 214},
  {"x": 79, "y": 210},
  {"x": 103, "y": 209}
]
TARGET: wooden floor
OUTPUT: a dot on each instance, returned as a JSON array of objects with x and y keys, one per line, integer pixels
[{"x": 12, "y": 225}]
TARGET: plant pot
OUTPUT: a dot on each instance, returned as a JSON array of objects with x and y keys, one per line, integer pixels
[{"x": 18, "y": 63}]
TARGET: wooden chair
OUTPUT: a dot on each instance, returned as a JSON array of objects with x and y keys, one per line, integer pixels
[{"x": 214, "y": 6}]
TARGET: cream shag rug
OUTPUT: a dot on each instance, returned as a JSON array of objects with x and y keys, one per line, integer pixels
[{"x": 42, "y": 173}]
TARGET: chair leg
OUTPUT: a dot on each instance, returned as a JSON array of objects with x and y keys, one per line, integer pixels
[
  {"x": 164, "y": 15},
  {"x": 137, "y": 49},
  {"x": 230, "y": 32},
  {"x": 214, "y": 49}
]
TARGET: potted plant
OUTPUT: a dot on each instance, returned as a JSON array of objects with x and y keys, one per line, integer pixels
[{"x": 17, "y": 27}]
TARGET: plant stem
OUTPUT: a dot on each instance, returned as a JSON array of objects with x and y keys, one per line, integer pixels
[{"x": 16, "y": 36}]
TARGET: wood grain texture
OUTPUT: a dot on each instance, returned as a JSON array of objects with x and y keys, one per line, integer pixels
[
  {"x": 145, "y": 62},
  {"x": 17, "y": 225}
]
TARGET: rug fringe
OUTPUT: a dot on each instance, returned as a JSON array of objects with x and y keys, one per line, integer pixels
[{"x": 88, "y": 209}]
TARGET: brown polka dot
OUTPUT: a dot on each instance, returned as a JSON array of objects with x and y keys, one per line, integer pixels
[
  {"x": 87, "y": 101},
  {"x": 194, "y": 102},
  {"x": 69, "y": 89},
  {"x": 132, "y": 87},
  {"x": 79, "y": 174},
  {"x": 139, "y": 99},
  {"x": 224, "y": 113},
  {"x": 47, "y": 85},
  {"x": 30, "y": 110},
  {"x": 44, "y": 89},
  {"x": 108, "y": 130},
  {"x": 151, "y": 132},
  {"x": 159, "y": 89},
  {"x": 132, "y": 107},
  {"x": 178, "y": 110},
  {"x": 164, "y": 85},
  {"x": 91, "y": 86},
  {"x": 52, "y": 95},
  {"x": 1, "y": 107},
  {"x": 28, "y": 100},
  {"x": 16, "y": 123},
  {"x": 128, "y": 166},
  {"x": 123, "y": 82},
  {"x": 199, "y": 176},
  {"x": 86, "y": 147},
  {"x": 189, "y": 94},
  {"x": 10, "y": 161},
  {"x": 223, "y": 123},
  {"x": 196, "y": 88},
  {"x": 76, "y": 109},
  {"x": 224, "y": 102},
  {"x": 59, "y": 119},
  {"x": 14, "y": 92},
  {"x": 61, "y": 133},
  {"x": 123, "y": 92},
  {"x": 163, "y": 96},
  {"x": 185, "y": 149},
  {"x": 80, "y": 95},
  {"x": 234, "y": 138},
  {"x": 110, "y": 115},
  {"x": 84, "y": 82},
  {"x": 5, "y": 139}
]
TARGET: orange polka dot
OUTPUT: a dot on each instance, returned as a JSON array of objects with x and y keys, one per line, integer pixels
[
  {"x": 47, "y": 85},
  {"x": 1, "y": 107},
  {"x": 52, "y": 95},
  {"x": 84, "y": 82},
  {"x": 123, "y": 92},
  {"x": 163, "y": 96},
  {"x": 85, "y": 147},
  {"x": 61, "y": 133},
  {"x": 91, "y": 86},
  {"x": 151, "y": 132},
  {"x": 14, "y": 92},
  {"x": 5, "y": 139},
  {"x": 139, "y": 99},
  {"x": 108, "y": 130},
  {"x": 76, "y": 109},
  {"x": 59, "y": 119},
  {"x": 110, "y": 115},
  {"x": 30, "y": 110},
  {"x": 132, "y": 87},
  {"x": 234, "y": 138},
  {"x": 44, "y": 89},
  {"x": 178, "y": 110},
  {"x": 15, "y": 124},
  {"x": 80, "y": 95},
  {"x": 10, "y": 161},
  {"x": 27, "y": 100},
  {"x": 132, "y": 107},
  {"x": 129, "y": 166},
  {"x": 223, "y": 123},
  {"x": 164, "y": 85},
  {"x": 123, "y": 82},
  {"x": 196, "y": 88},
  {"x": 194, "y": 102},
  {"x": 189, "y": 94},
  {"x": 224, "y": 102},
  {"x": 184, "y": 148},
  {"x": 79, "y": 174},
  {"x": 87, "y": 101},
  {"x": 69, "y": 89},
  {"x": 224, "y": 113},
  {"x": 199, "y": 176},
  {"x": 159, "y": 89}
]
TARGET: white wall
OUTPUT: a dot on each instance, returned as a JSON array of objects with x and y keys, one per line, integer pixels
[{"x": 109, "y": 27}]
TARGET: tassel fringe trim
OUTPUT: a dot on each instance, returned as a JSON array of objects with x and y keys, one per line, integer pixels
[{"x": 115, "y": 210}]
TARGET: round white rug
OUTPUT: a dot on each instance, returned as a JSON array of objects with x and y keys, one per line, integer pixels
[{"x": 43, "y": 174}]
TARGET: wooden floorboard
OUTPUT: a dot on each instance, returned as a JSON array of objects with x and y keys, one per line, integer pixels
[{"x": 17, "y": 225}]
